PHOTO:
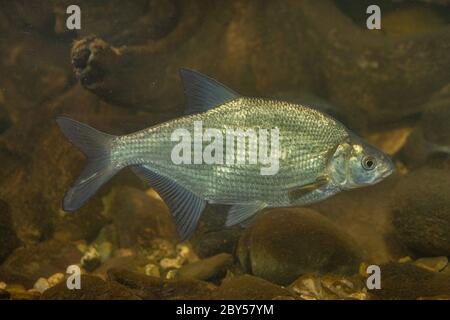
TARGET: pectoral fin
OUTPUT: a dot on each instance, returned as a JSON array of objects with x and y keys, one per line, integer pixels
[{"x": 301, "y": 191}]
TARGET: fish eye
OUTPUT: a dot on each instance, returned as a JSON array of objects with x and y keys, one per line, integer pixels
[{"x": 368, "y": 162}]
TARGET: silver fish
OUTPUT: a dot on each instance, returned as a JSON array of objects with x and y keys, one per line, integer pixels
[{"x": 317, "y": 156}]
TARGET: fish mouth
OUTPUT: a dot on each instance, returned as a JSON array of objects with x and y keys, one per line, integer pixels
[{"x": 390, "y": 168}]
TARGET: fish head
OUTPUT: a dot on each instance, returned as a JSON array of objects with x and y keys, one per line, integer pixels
[{"x": 356, "y": 164}]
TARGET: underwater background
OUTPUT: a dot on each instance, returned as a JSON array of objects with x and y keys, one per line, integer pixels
[{"x": 119, "y": 74}]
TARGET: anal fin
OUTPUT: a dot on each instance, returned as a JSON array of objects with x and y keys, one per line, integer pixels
[{"x": 185, "y": 206}]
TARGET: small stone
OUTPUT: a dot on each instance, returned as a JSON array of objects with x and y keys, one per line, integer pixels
[
  {"x": 211, "y": 268},
  {"x": 22, "y": 294},
  {"x": 161, "y": 248},
  {"x": 435, "y": 264},
  {"x": 184, "y": 250},
  {"x": 41, "y": 285},
  {"x": 328, "y": 286},
  {"x": 405, "y": 259},
  {"x": 55, "y": 279},
  {"x": 308, "y": 287},
  {"x": 171, "y": 274},
  {"x": 91, "y": 259},
  {"x": 170, "y": 263},
  {"x": 124, "y": 253},
  {"x": 152, "y": 270},
  {"x": 359, "y": 296}
]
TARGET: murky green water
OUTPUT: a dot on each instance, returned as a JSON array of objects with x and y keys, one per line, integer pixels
[{"x": 115, "y": 66}]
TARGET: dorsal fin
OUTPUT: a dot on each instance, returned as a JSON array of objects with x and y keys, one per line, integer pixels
[{"x": 202, "y": 92}]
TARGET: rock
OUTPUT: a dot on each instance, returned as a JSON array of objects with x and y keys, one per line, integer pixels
[
  {"x": 406, "y": 281},
  {"x": 348, "y": 64},
  {"x": 329, "y": 287},
  {"x": 365, "y": 214},
  {"x": 8, "y": 238},
  {"x": 435, "y": 118},
  {"x": 4, "y": 295},
  {"x": 212, "y": 268},
  {"x": 132, "y": 263},
  {"x": 157, "y": 288},
  {"x": 140, "y": 218},
  {"x": 421, "y": 215},
  {"x": 247, "y": 287},
  {"x": 92, "y": 288},
  {"x": 412, "y": 20},
  {"x": 211, "y": 237},
  {"x": 283, "y": 244},
  {"x": 18, "y": 293},
  {"x": 27, "y": 264},
  {"x": 41, "y": 285},
  {"x": 435, "y": 264},
  {"x": 430, "y": 139}
]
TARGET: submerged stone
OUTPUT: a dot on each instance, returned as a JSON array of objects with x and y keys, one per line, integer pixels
[
  {"x": 285, "y": 243},
  {"x": 421, "y": 212}
]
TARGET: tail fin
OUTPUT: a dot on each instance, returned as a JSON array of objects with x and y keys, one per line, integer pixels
[{"x": 96, "y": 146}]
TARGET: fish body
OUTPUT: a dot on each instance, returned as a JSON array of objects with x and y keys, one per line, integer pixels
[
  {"x": 314, "y": 156},
  {"x": 306, "y": 139}
]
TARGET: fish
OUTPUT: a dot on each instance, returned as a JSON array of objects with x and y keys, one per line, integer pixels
[{"x": 315, "y": 156}]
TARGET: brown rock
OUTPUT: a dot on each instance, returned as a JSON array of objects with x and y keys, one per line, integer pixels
[
  {"x": 211, "y": 268},
  {"x": 140, "y": 217},
  {"x": 92, "y": 288},
  {"x": 247, "y": 287},
  {"x": 27, "y": 264},
  {"x": 283, "y": 244},
  {"x": 405, "y": 281},
  {"x": 421, "y": 215},
  {"x": 8, "y": 238},
  {"x": 211, "y": 237},
  {"x": 151, "y": 287}
]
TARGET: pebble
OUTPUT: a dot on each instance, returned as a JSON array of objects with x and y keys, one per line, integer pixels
[
  {"x": 171, "y": 274},
  {"x": 91, "y": 259},
  {"x": 171, "y": 263},
  {"x": 152, "y": 270},
  {"x": 435, "y": 264},
  {"x": 185, "y": 251},
  {"x": 55, "y": 279},
  {"x": 41, "y": 285}
]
